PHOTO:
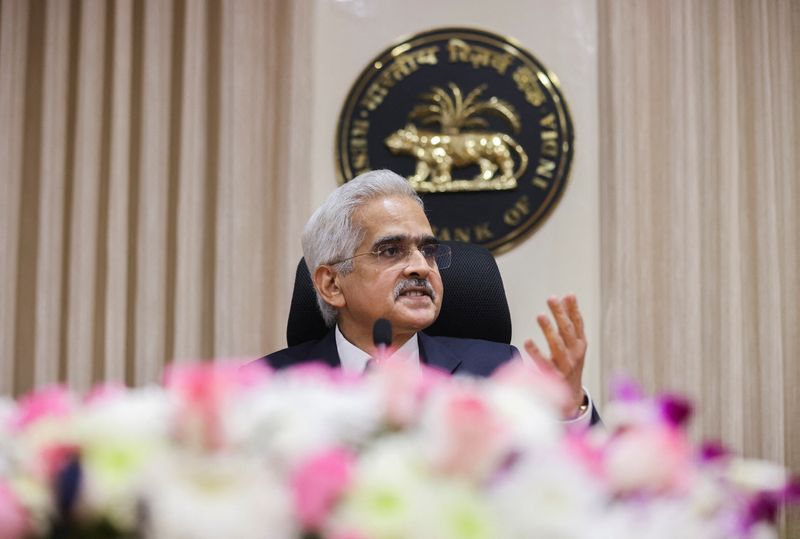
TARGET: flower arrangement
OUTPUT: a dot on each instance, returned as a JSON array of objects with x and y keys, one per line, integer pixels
[{"x": 221, "y": 450}]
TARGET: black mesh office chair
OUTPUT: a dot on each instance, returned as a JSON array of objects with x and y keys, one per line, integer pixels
[{"x": 474, "y": 304}]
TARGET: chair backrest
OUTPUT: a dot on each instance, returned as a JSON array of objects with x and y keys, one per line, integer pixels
[{"x": 474, "y": 304}]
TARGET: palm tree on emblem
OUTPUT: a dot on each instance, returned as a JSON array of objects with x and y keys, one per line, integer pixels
[
  {"x": 457, "y": 112},
  {"x": 459, "y": 144}
]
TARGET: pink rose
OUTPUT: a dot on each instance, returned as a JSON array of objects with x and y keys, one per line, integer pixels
[
  {"x": 650, "y": 459},
  {"x": 201, "y": 381},
  {"x": 475, "y": 437},
  {"x": 581, "y": 445},
  {"x": 203, "y": 389},
  {"x": 322, "y": 373},
  {"x": 407, "y": 385},
  {"x": 318, "y": 483},
  {"x": 13, "y": 517},
  {"x": 49, "y": 401}
]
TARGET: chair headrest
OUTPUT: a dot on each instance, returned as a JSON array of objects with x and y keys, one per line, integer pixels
[{"x": 474, "y": 304}]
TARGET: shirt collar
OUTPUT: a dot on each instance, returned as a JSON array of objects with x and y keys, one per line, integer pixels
[{"x": 354, "y": 359}]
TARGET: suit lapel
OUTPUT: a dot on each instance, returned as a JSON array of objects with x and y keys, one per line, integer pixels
[
  {"x": 325, "y": 350},
  {"x": 433, "y": 353}
]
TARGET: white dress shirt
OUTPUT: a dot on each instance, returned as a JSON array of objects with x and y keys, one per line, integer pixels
[{"x": 354, "y": 359}]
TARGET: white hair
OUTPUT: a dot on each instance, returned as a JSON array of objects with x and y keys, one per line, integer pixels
[{"x": 329, "y": 235}]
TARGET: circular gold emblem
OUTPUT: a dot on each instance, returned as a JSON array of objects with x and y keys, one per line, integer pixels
[{"x": 477, "y": 125}]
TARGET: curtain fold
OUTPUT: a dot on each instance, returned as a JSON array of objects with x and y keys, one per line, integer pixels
[
  {"x": 146, "y": 209},
  {"x": 700, "y": 197}
]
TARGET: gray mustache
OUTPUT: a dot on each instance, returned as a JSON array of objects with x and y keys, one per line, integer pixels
[{"x": 407, "y": 284}]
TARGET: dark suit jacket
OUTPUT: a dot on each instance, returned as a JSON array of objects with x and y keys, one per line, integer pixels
[{"x": 453, "y": 355}]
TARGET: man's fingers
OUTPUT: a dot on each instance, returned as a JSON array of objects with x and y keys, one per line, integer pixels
[
  {"x": 538, "y": 358},
  {"x": 575, "y": 315},
  {"x": 565, "y": 326},
  {"x": 556, "y": 343}
]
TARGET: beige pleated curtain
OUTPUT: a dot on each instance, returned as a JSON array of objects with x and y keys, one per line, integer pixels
[
  {"x": 153, "y": 187},
  {"x": 700, "y": 212},
  {"x": 700, "y": 132},
  {"x": 146, "y": 213}
]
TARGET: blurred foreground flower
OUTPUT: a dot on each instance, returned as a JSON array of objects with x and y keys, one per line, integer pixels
[{"x": 222, "y": 450}]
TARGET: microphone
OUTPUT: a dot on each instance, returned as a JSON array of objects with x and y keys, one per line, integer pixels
[{"x": 382, "y": 337}]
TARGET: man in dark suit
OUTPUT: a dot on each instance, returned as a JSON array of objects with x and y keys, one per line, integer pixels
[{"x": 372, "y": 254}]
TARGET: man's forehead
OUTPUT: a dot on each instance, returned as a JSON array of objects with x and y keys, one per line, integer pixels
[
  {"x": 390, "y": 205},
  {"x": 392, "y": 216}
]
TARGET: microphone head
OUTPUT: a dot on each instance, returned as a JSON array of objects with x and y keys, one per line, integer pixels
[{"x": 382, "y": 332}]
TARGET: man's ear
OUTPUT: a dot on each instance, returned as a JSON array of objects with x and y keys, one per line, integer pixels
[{"x": 326, "y": 281}]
